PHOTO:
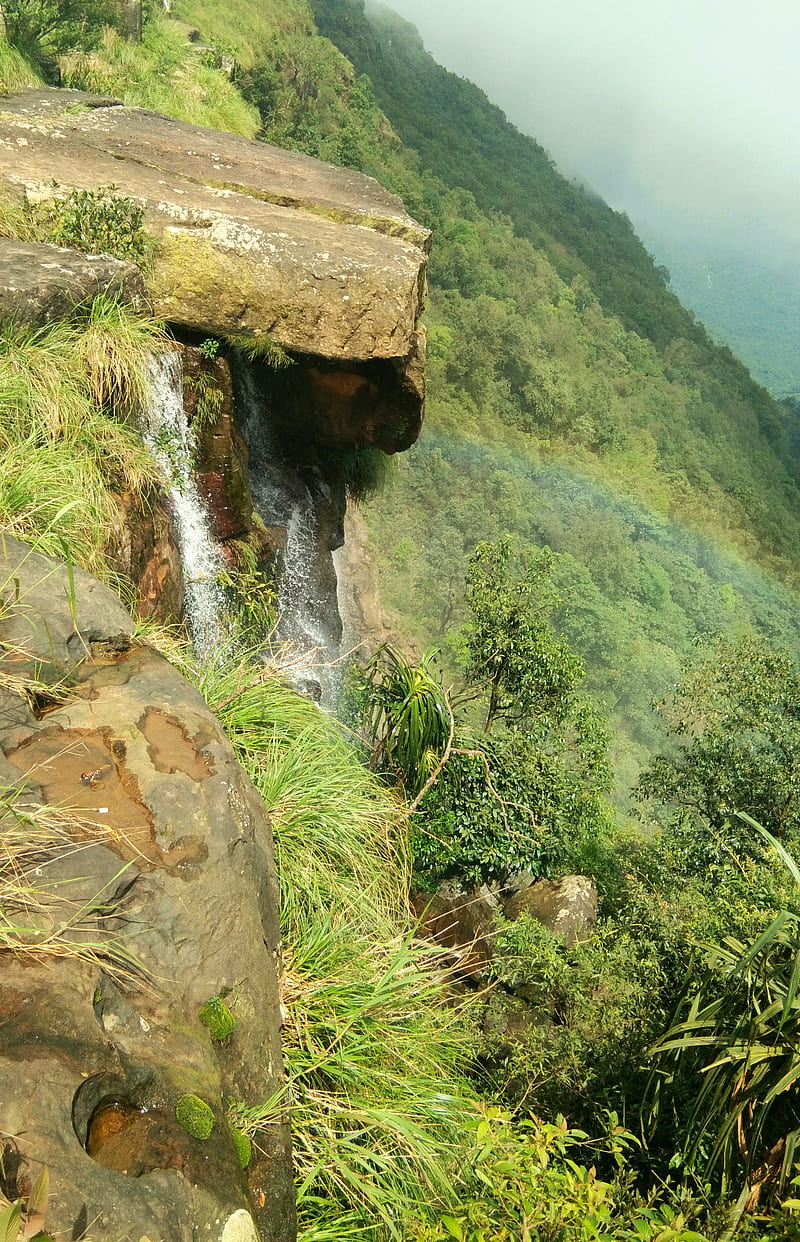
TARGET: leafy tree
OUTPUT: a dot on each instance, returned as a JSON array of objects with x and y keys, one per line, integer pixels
[
  {"x": 44, "y": 29},
  {"x": 736, "y": 717},
  {"x": 512, "y": 648},
  {"x": 527, "y": 794}
]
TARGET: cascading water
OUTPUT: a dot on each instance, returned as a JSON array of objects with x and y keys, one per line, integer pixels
[
  {"x": 308, "y": 614},
  {"x": 167, "y": 435}
]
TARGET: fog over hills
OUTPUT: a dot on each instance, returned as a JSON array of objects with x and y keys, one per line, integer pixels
[{"x": 684, "y": 115}]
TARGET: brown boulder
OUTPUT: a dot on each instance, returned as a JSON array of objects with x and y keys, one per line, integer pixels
[
  {"x": 461, "y": 921},
  {"x": 167, "y": 859},
  {"x": 566, "y": 907}
]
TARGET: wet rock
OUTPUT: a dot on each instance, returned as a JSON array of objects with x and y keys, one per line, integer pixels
[
  {"x": 566, "y": 907},
  {"x": 170, "y": 873},
  {"x": 220, "y": 465},
  {"x": 143, "y": 548}
]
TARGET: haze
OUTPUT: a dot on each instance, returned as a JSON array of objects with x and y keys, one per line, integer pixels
[{"x": 685, "y": 111}]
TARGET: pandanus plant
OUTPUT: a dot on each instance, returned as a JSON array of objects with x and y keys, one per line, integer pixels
[
  {"x": 407, "y": 716},
  {"x": 739, "y": 1026}
]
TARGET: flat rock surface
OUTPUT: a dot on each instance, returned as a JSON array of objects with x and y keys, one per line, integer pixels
[
  {"x": 40, "y": 283},
  {"x": 252, "y": 238}
]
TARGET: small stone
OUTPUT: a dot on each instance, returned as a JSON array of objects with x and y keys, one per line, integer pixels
[{"x": 239, "y": 1228}]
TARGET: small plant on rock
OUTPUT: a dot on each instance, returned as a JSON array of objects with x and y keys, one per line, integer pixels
[
  {"x": 99, "y": 220},
  {"x": 209, "y": 348},
  {"x": 24, "y": 1220}
]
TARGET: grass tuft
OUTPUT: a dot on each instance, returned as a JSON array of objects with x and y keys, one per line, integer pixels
[
  {"x": 16, "y": 72},
  {"x": 66, "y": 391},
  {"x": 375, "y": 1048},
  {"x": 163, "y": 74}
]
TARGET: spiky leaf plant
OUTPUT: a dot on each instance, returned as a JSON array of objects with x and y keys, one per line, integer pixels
[
  {"x": 407, "y": 715},
  {"x": 740, "y": 1029}
]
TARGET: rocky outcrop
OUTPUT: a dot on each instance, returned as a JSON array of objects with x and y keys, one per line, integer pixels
[
  {"x": 464, "y": 922},
  {"x": 40, "y": 284},
  {"x": 151, "y": 891},
  {"x": 251, "y": 239},
  {"x": 566, "y": 907}
]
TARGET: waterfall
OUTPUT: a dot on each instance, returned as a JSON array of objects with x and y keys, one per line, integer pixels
[
  {"x": 167, "y": 435},
  {"x": 302, "y": 605},
  {"x": 308, "y": 612}
]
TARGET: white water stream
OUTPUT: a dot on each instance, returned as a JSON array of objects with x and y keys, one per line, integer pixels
[
  {"x": 282, "y": 499},
  {"x": 167, "y": 434}
]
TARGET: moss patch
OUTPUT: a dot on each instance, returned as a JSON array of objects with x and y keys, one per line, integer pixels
[
  {"x": 218, "y": 1019},
  {"x": 195, "y": 1116}
]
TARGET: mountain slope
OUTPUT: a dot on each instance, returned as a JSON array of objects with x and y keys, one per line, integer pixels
[{"x": 572, "y": 400}]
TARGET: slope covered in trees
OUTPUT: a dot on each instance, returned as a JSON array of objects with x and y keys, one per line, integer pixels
[
  {"x": 575, "y": 407},
  {"x": 572, "y": 401}
]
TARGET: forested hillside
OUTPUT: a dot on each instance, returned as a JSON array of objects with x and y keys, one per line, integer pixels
[
  {"x": 573, "y": 401},
  {"x": 603, "y": 509}
]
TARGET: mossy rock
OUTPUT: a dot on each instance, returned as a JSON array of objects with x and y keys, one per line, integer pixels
[
  {"x": 217, "y": 1017},
  {"x": 195, "y": 1116}
]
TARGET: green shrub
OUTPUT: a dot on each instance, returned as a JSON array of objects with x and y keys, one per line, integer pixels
[
  {"x": 92, "y": 221},
  {"x": 524, "y": 1182},
  {"x": 98, "y": 221}
]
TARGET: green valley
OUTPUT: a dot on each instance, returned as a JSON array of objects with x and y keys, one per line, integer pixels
[{"x": 587, "y": 570}]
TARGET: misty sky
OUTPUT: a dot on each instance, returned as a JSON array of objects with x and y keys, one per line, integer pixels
[{"x": 688, "y": 108}]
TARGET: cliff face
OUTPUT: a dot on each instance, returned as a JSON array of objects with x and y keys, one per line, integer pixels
[{"x": 252, "y": 240}]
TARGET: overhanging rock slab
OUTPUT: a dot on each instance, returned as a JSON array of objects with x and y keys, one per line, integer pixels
[{"x": 252, "y": 239}]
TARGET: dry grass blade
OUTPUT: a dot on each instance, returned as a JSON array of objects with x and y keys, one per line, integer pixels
[{"x": 43, "y": 920}]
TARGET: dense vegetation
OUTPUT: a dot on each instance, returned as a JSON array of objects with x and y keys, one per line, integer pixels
[{"x": 602, "y": 510}]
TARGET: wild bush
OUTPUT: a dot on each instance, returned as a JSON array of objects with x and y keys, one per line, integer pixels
[{"x": 93, "y": 221}]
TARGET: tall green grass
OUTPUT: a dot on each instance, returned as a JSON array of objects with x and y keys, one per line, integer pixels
[
  {"x": 247, "y": 26},
  {"x": 16, "y": 72},
  {"x": 66, "y": 391},
  {"x": 163, "y": 74},
  {"x": 376, "y": 1049}
]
